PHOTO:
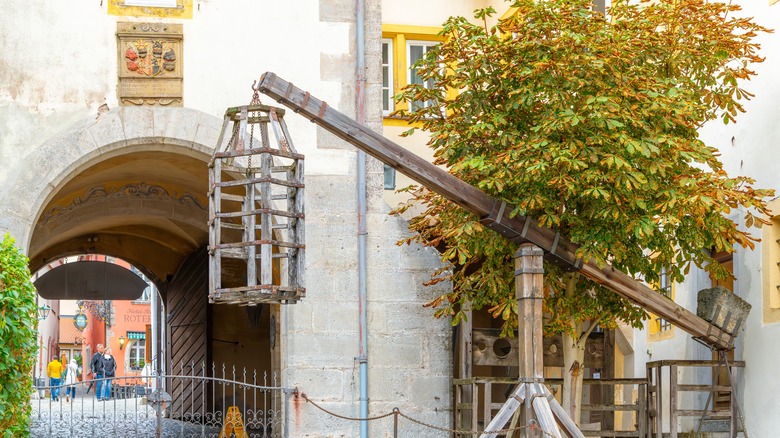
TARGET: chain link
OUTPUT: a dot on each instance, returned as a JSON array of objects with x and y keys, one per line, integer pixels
[
  {"x": 379, "y": 417},
  {"x": 533, "y": 426},
  {"x": 255, "y": 101}
]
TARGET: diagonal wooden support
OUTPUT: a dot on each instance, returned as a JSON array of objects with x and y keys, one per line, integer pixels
[
  {"x": 506, "y": 411},
  {"x": 544, "y": 414},
  {"x": 560, "y": 414},
  {"x": 492, "y": 212}
]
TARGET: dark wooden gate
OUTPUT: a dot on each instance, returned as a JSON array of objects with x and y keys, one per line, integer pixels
[{"x": 186, "y": 307}]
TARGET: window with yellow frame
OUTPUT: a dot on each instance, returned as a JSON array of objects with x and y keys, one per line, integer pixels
[
  {"x": 658, "y": 325},
  {"x": 402, "y": 46}
]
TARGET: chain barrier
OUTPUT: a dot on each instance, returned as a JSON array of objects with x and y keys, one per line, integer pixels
[
  {"x": 379, "y": 417},
  {"x": 533, "y": 426}
]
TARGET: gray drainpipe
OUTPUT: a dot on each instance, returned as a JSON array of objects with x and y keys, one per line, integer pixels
[{"x": 362, "y": 228}]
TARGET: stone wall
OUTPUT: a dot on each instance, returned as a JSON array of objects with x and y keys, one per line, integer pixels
[{"x": 409, "y": 357}]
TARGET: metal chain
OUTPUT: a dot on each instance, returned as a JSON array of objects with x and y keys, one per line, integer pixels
[
  {"x": 533, "y": 426},
  {"x": 230, "y": 142},
  {"x": 255, "y": 94},
  {"x": 471, "y": 432},
  {"x": 255, "y": 101},
  {"x": 343, "y": 417}
]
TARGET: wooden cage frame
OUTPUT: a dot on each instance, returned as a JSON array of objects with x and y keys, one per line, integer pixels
[{"x": 256, "y": 210}]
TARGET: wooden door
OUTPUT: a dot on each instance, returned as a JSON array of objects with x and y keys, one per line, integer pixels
[{"x": 187, "y": 328}]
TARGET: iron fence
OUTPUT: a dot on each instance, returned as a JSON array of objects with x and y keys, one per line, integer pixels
[{"x": 198, "y": 401}]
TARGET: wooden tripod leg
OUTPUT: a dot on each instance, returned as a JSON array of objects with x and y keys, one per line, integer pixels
[
  {"x": 543, "y": 411},
  {"x": 506, "y": 411},
  {"x": 513, "y": 425},
  {"x": 562, "y": 416}
]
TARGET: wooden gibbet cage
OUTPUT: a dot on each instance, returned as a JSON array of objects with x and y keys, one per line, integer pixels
[{"x": 256, "y": 212}]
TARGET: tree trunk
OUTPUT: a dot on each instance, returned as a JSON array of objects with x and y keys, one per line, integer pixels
[{"x": 573, "y": 370}]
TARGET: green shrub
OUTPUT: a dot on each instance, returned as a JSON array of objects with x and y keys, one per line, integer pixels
[{"x": 18, "y": 330}]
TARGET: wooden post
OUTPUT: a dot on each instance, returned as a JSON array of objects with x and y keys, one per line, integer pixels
[
  {"x": 487, "y": 408},
  {"x": 673, "y": 401},
  {"x": 474, "y": 407},
  {"x": 641, "y": 416},
  {"x": 543, "y": 411},
  {"x": 659, "y": 423},
  {"x": 465, "y": 366},
  {"x": 608, "y": 372},
  {"x": 529, "y": 277},
  {"x": 734, "y": 409},
  {"x": 537, "y": 401}
]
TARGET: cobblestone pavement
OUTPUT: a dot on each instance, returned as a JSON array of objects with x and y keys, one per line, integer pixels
[
  {"x": 84, "y": 416},
  {"x": 127, "y": 414}
]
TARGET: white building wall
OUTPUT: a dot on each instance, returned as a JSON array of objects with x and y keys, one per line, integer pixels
[{"x": 747, "y": 148}]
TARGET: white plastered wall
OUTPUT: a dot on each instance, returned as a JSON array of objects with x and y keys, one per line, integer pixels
[{"x": 747, "y": 148}]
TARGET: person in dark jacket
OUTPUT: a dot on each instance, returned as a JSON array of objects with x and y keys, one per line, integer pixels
[
  {"x": 96, "y": 365},
  {"x": 109, "y": 371}
]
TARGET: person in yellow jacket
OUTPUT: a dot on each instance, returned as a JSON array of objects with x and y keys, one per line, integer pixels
[{"x": 55, "y": 374}]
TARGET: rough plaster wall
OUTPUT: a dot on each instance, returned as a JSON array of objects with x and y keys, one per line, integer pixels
[
  {"x": 48, "y": 79},
  {"x": 408, "y": 351}
]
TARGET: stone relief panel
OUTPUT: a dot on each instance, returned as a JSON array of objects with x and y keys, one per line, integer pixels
[
  {"x": 150, "y": 64},
  {"x": 100, "y": 193}
]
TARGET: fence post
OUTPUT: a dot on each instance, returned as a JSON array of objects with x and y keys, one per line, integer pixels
[
  {"x": 395, "y": 422},
  {"x": 158, "y": 410}
]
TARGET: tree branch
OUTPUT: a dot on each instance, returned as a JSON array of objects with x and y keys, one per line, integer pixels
[{"x": 584, "y": 336}]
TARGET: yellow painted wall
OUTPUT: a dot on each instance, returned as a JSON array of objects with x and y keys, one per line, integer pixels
[{"x": 183, "y": 9}]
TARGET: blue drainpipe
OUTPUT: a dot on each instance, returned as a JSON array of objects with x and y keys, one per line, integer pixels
[{"x": 362, "y": 228}]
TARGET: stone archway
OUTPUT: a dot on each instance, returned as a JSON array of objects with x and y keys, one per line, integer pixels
[
  {"x": 133, "y": 184},
  {"x": 30, "y": 187},
  {"x": 146, "y": 154}
]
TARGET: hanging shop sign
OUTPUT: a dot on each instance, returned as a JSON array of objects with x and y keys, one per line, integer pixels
[{"x": 80, "y": 321}]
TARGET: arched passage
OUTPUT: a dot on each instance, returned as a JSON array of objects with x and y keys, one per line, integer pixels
[
  {"x": 130, "y": 184},
  {"x": 133, "y": 184}
]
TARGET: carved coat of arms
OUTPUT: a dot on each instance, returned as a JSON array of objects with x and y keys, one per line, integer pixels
[
  {"x": 150, "y": 63},
  {"x": 150, "y": 57}
]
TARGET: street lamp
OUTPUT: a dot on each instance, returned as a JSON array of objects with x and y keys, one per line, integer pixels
[
  {"x": 121, "y": 342},
  {"x": 43, "y": 312}
]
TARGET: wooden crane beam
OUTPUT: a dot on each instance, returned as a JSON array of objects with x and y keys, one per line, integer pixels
[{"x": 493, "y": 213}]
